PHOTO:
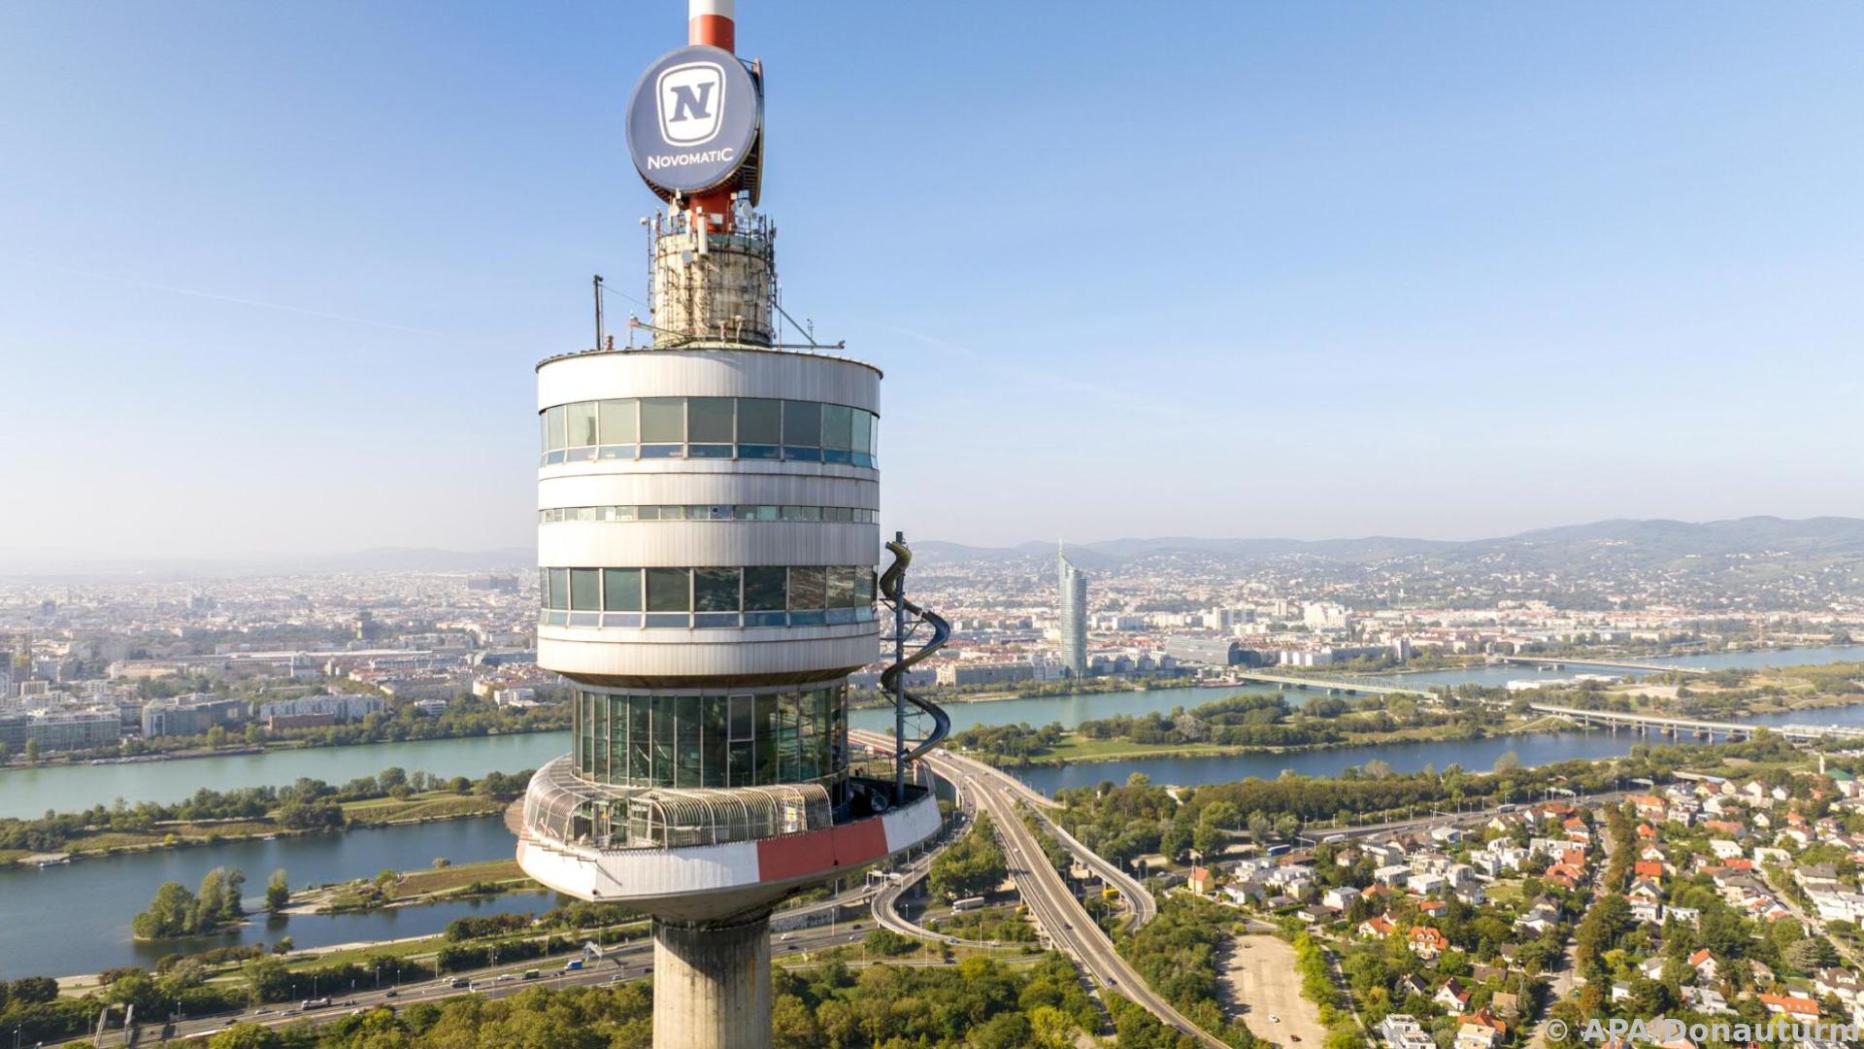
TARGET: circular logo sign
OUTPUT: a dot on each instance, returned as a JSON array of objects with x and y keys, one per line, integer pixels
[{"x": 694, "y": 119}]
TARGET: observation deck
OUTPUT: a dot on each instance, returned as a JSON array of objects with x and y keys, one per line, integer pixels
[{"x": 696, "y": 854}]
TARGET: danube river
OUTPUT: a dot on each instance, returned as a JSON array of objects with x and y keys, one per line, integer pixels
[{"x": 75, "y": 918}]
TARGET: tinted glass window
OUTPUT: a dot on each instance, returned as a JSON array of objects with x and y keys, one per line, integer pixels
[
  {"x": 581, "y": 418},
  {"x": 863, "y": 432},
  {"x": 559, "y": 596},
  {"x": 618, "y": 422},
  {"x": 669, "y": 590},
  {"x": 841, "y": 587},
  {"x": 584, "y": 593},
  {"x": 802, "y": 423},
  {"x": 554, "y": 435},
  {"x": 807, "y": 588},
  {"x": 708, "y": 420},
  {"x": 837, "y": 427},
  {"x": 715, "y": 590},
  {"x": 663, "y": 420},
  {"x": 763, "y": 589},
  {"x": 760, "y": 421},
  {"x": 621, "y": 589}
]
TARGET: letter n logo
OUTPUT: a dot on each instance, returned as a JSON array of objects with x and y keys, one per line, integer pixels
[{"x": 691, "y": 97}]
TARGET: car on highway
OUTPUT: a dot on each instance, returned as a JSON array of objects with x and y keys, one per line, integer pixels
[{"x": 391, "y": 993}]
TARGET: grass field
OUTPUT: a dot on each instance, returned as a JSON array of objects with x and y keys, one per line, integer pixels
[
  {"x": 448, "y": 879},
  {"x": 430, "y": 806}
]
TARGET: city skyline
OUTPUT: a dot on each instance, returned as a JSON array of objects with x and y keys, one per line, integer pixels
[{"x": 1617, "y": 243}]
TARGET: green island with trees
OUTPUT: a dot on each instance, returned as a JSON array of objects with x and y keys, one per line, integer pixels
[{"x": 207, "y": 817}]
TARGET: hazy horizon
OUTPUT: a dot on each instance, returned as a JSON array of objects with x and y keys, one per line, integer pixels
[{"x": 278, "y": 277}]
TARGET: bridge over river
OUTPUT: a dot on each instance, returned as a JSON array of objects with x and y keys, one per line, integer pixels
[{"x": 1670, "y": 726}]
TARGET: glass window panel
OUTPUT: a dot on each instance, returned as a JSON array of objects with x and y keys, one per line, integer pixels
[
  {"x": 712, "y": 739},
  {"x": 663, "y": 451},
  {"x": 665, "y": 744},
  {"x": 743, "y": 764},
  {"x": 766, "y": 737},
  {"x": 715, "y": 590},
  {"x": 559, "y": 596},
  {"x": 808, "y": 588},
  {"x": 689, "y": 734},
  {"x": 581, "y": 418},
  {"x": 618, "y": 740},
  {"x": 663, "y": 420},
  {"x": 841, "y": 587},
  {"x": 709, "y": 420},
  {"x": 802, "y": 423},
  {"x": 709, "y": 451},
  {"x": 743, "y": 708},
  {"x": 760, "y": 421},
  {"x": 764, "y": 589},
  {"x": 864, "y": 432},
  {"x": 554, "y": 433},
  {"x": 863, "y": 585},
  {"x": 618, "y": 422},
  {"x": 585, "y": 590},
  {"x": 640, "y": 739},
  {"x": 616, "y": 451},
  {"x": 669, "y": 590},
  {"x": 837, "y": 426},
  {"x": 621, "y": 589}
]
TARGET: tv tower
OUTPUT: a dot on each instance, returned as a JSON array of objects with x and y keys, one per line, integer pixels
[{"x": 707, "y": 540}]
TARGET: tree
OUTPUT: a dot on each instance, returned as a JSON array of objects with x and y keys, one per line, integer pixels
[
  {"x": 32, "y": 750},
  {"x": 217, "y": 737},
  {"x": 277, "y": 892},
  {"x": 1509, "y": 761},
  {"x": 169, "y": 914}
]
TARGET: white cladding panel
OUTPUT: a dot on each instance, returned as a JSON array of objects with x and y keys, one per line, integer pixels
[
  {"x": 720, "y": 652},
  {"x": 707, "y": 373},
  {"x": 705, "y": 544},
  {"x": 707, "y": 483}
]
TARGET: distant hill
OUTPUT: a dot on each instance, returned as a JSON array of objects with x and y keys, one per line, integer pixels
[{"x": 1626, "y": 544}]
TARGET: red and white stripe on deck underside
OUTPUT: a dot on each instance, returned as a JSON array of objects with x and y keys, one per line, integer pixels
[{"x": 649, "y": 873}]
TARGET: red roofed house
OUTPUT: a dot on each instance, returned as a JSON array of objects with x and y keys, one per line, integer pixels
[
  {"x": 1377, "y": 928},
  {"x": 1648, "y": 869},
  {"x": 1799, "y": 1009},
  {"x": 1427, "y": 943}
]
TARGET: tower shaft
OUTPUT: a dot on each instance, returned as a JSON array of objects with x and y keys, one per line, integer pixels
[{"x": 712, "y": 982}]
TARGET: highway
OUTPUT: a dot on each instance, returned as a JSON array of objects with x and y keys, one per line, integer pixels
[
  {"x": 1060, "y": 917},
  {"x": 629, "y": 961}
]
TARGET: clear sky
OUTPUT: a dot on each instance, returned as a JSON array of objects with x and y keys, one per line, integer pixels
[{"x": 273, "y": 277}]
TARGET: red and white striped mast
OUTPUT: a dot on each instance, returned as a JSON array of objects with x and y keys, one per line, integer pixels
[{"x": 712, "y": 23}]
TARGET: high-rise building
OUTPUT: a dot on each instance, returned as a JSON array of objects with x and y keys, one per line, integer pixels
[
  {"x": 707, "y": 540},
  {"x": 1073, "y": 599}
]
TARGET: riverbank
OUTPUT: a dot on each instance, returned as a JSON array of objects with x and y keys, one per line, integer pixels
[
  {"x": 62, "y": 759},
  {"x": 415, "y": 888},
  {"x": 1076, "y": 750},
  {"x": 427, "y": 807}
]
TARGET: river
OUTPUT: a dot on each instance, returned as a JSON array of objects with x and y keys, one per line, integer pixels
[{"x": 75, "y": 918}]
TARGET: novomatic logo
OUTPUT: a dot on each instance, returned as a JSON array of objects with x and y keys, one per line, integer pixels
[
  {"x": 694, "y": 120},
  {"x": 691, "y": 96}
]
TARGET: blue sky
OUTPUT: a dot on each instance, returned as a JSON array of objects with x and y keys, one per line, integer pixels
[{"x": 275, "y": 275}]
